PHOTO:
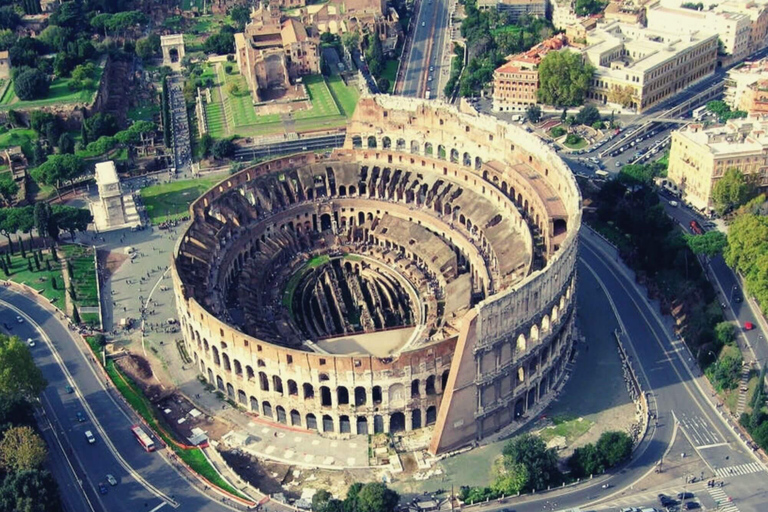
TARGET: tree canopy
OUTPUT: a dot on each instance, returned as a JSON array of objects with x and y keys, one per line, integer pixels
[
  {"x": 709, "y": 243},
  {"x": 540, "y": 462},
  {"x": 31, "y": 84},
  {"x": 371, "y": 497},
  {"x": 533, "y": 113},
  {"x": 30, "y": 491},
  {"x": 731, "y": 191},
  {"x": 18, "y": 374},
  {"x": 747, "y": 252},
  {"x": 564, "y": 79},
  {"x": 587, "y": 7},
  {"x": 22, "y": 449},
  {"x": 59, "y": 168},
  {"x": 611, "y": 449}
]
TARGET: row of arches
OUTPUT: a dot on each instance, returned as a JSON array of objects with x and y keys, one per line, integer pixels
[{"x": 416, "y": 148}]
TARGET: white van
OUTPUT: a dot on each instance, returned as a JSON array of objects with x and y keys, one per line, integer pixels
[{"x": 89, "y": 437}]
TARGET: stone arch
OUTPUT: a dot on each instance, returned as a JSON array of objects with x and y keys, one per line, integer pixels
[
  {"x": 260, "y": 363},
  {"x": 327, "y": 423},
  {"x": 345, "y": 427},
  {"x": 241, "y": 397},
  {"x": 396, "y": 422},
  {"x": 386, "y": 142},
  {"x": 414, "y": 150},
  {"x": 400, "y": 145},
  {"x": 376, "y": 394},
  {"x": 220, "y": 383},
  {"x": 277, "y": 384},
  {"x": 360, "y": 396},
  {"x": 362, "y": 425},
  {"x": 519, "y": 408},
  {"x": 254, "y": 404},
  {"x": 444, "y": 380},
  {"x": 342, "y": 190},
  {"x": 378, "y": 424},
  {"x": 521, "y": 343},
  {"x": 357, "y": 142},
  {"x": 352, "y": 190},
  {"x": 428, "y": 149},
  {"x": 396, "y": 394},
  {"x": 293, "y": 389},
  {"x": 415, "y": 392},
  {"x": 210, "y": 377},
  {"x": 342, "y": 396},
  {"x": 172, "y": 47},
  {"x": 467, "y": 160},
  {"x": 454, "y": 156},
  {"x": 555, "y": 314},
  {"x": 227, "y": 365},
  {"x": 216, "y": 358},
  {"x": 295, "y": 418},
  {"x": 311, "y": 422},
  {"x": 431, "y": 415},
  {"x": 371, "y": 142},
  {"x": 266, "y": 409},
  {"x": 430, "y": 386},
  {"x": 534, "y": 336},
  {"x": 416, "y": 418},
  {"x": 325, "y": 396},
  {"x": 263, "y": 381},
  {"x": 238, "y": 368},
  {"x": 309, "y": 391},
  {"x": 441, "y": 154},
  {"x": 478, "y": 162},
  {"x": 545, "y": 324},
  {"x": 281, "y": 417},
  {"x": 230, "y": 390}
]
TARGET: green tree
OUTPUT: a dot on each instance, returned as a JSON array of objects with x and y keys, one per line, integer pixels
[
  {"x": 22, "y": 449},
  {"x": 350, "y": 41},
  {"x": 376, "y": 497},
  {"x": 30, "y": 491},
  {"x": 374, "y": 55},
  {"x": 614, "y": 447},
  {"x": 19, "y": 377},
  {"x": 512, "y": 481},
  {"x": 66, "y": 143},
  {"x": 241, "y": 15},
  {"x": 223, "y": 148},
  {"x": 44, "y": 221},
  {"x": 710, "y": 243},
  {"x": 8, "y": 189},
  {"x": 725, "y": 373},
  {"x": 731, "y": 191},
  {"x": 31, "y": 84},
  {"x": 205, "y": 144},
  {"x": 564, "y": 79},
  {"x": 587, "y": 7},
  {"x": 533, "y": 113},
  {"x": 7, "y": 39},
  {"x": 71, "y": 219},
  {"x": 588, "y": 115},
  {"x": 148, "y": 47},
  {"x": 725, "y": 333},
  {"x": 531, "y": 452},
  {"x": 58, "y": 169},
  {"x": 9, "y": 18},
  {"x": 586, "y": 461},
  {"x": 320, "y": 500}
]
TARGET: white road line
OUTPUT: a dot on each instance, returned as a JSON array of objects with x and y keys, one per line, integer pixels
[
  {"x": 107, "y": 441},
  {"x": 158, "y": 507},
  {"x": 741, "y": 469},
  {"x": 712, "y": 446}
]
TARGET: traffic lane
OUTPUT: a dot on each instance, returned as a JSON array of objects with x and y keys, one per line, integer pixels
[
  {"x": 113, "y": 419},
  {"x": 420, "y": 37},
  {"x": 436, "y": 58},
  {"x": 92, "y": 462},
  {"x": 660, "y": 361}
]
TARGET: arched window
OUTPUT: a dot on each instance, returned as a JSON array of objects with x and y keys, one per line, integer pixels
[{"x": 263, "y": 381}]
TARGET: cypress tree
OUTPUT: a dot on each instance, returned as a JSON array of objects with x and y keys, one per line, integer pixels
[
  {"x": 54, "y": 255},
  {"x": 29, "y": 265},
  {"x": 75, "y": 315},
  {"x": 48, "y": 265},
  {"x": 8, "y": 260},
  {"x": 5, "y": 268},
  {"x": 37, "y": 260},
  {"x": 54, "y": 285},
  {"x": 21, "y": 247}
]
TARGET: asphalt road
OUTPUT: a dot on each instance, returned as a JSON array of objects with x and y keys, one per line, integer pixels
[
  {"x": 145, "y": 480},
  {"x": 427, "y": 48}
]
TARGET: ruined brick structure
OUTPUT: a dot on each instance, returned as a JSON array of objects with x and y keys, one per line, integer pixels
[{"x": 462, "y": 229}]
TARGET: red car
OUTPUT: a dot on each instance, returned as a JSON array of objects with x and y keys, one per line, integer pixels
[{"x": 749, "y": 326}]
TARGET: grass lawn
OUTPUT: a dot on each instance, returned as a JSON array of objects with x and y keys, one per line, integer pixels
[
  {"x": 43, "y": 280},
  {"x": 346, "y": 96},
  {"x": 23, "y": 137},
  {"x": 143, "y": 113},
  {"x": 171, "y": 200},
  {"x": 83, "y": 276},
  {"x": 323, "y": 104},
  {"x": 580, "y": 143},
  {"x": 569, "y": 428},
  {"x": 390, "y": 73},
  {"x": 59, "y": 93},
  {"x": 188, "y": 5}
]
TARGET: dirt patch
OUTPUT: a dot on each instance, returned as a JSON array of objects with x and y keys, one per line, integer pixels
[
  {"x": 110, "y": 261},
  {"x": 137, "y": 366}
]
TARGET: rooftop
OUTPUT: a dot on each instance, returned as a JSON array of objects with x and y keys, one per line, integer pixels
[
  {"x": 106, "y": 173},
  {"x": 736, "y": 136}
]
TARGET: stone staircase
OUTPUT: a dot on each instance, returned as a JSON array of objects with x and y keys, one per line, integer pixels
[{"x": 743, "y": 391}]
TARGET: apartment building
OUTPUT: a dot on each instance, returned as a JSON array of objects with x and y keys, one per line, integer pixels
[
  {"x": 745, "y": 87},
  {"x": 516, "y": 9},
  {"x": 699, "y": 157},
  {"x": 516, "y": 82},
  {"x": 757, "y": 11},
  {"x": 650, "y": 64},
  {"x": 733, "y": 28}
]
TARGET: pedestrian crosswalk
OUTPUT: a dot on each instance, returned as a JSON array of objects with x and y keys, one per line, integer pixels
[
  {"x": 722, "y": 500},
  {"x": 741, "y": 469}
]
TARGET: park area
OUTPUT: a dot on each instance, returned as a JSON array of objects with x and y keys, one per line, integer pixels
[
  {"x": 170, "y": 201},
  {"x": 82, "y": 276},
  {"x": 45, "y": 279},
  {"x": 230, "y": 110},
  {"x": 59, "y": 93}
]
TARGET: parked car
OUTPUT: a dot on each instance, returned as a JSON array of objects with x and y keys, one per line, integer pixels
[
  {"x": 80, "y": 416},
  {"x": 89, "y": 437},
  {"x": 30, "y": 342},
  {"x": 112, "y": 480},
  {"x": 102, "y": 488}
]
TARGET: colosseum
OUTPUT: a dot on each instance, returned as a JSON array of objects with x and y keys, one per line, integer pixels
[{"x": 423, "y": 276}]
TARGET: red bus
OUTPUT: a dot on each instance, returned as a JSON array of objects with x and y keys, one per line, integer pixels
[
  {"x": 144, "y": 440},
  {"x": 695, "y": 228}
]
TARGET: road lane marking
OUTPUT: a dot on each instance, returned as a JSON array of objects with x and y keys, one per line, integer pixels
[
  {"x": 84, "y": 403},
  {"x": 741, "y": 469},
  {"x": 158, "y": 507},
  {"x": 706, "y": 446}
]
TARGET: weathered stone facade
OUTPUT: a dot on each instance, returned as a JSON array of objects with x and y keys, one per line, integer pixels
[{"x": 502, "y": 202}]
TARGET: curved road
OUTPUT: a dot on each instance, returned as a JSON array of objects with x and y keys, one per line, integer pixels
[{"x": 146, "y": 481}]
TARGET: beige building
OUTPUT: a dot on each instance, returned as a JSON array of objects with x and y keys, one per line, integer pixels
[
  {"x": 110, "y": 194},
  {"x": 273, "y": 52},
  {"x": 744, "y": 84},
  {"x": 699, "y": 157},
  {"x": 624, "y": 12},
  {"x": 646, "y": 65},
  {"x": 517, "y": 8},
  {"x": 563, "y": 14},
  {"x": 733, "y": 28}
]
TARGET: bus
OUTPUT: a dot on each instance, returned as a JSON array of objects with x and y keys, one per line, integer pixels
[
  {"x": 144, "y": 440},
  {"x": 696, "y": 228},
  {"x": 602, "y": 174},
  {"x": 699, "y": 112}
]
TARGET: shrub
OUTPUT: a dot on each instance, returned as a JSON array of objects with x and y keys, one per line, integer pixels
[{"x": 558, "y": 131}]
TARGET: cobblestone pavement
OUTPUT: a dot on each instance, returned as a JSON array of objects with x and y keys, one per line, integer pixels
[{"x": 143, "y": 283}]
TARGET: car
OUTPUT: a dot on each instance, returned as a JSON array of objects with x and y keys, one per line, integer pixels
[
  {"x": 430, "y": 78},
  {"x": 19, "y": 319},
  {"x": 30, "y": 342},
  {"x": 69, "y": 389},
  {"x": 112, "y": 480},
  {"x": 692, "y": 505},
  {"x": 674, "y": 204},
  {"x": 80, "y": 416},
  {"x": 684, "y": 495},
  {"x": 618, "y": 164},
  {"x": 102, "y": 488},
  {"x": 431, "y": 68},
  {"x": 423, "y": 23},
  {"x": 89, "y": 437}
]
